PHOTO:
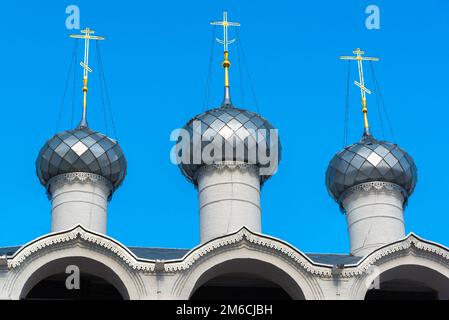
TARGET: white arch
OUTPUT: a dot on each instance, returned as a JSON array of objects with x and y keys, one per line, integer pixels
[
  {"x": 42, "y": 257},
  {"x": 426, "y": 267},
  {"x": 412, "y": 251},
  {"x": 278, "y": 270},
  {"x": 37, "y": 268}
]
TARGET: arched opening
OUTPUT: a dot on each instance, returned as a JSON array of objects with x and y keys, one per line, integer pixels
[
  {"x": 240, "y": 287},
  {"x": 243, "y": 279},
  {"x": 56, "y": 281},
  {"x": 90, "y": 288},
  {"x": 409, "y": 282}
]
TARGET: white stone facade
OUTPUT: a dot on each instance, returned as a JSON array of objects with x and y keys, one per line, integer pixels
[
  {"x": 374, "y": 214},
  {"x": 229, "y": 198},
  {"x": 410, "y": 257},
  {"x": 79, "y": 198}
]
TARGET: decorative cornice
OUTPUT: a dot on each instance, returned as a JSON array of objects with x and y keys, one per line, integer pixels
[
  {"x": 75, "y": 235},
  {"x": 73, "y": 177},
  {"x": 257, "y": 241},
  {"x": 409, "y": 244},
  {"x": 254, "y": 240},
  {"x": 376, "y": 186},
  {"x": 231, "y": 165}
]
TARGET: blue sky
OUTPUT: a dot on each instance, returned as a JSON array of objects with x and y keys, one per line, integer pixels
[{"x": 156, "y": 60}]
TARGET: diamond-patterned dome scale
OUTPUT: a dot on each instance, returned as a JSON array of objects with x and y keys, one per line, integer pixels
[
  {"x": 238, "y": 128},
  {"x": 81, "y": 150},
  {"x": 370, "y": 160}
]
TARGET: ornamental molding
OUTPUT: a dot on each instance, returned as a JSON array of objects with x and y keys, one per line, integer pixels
[
  {"x": 73, "y": 177},
  {"x": 243, "y": 236},
  {"x": 230, "y": 165},
  {"x": 411, "y": 244},
  {"x": 373, "y": 186},
  {"x": 253, "y": 241},
  {"x": 76, "y": 235}
]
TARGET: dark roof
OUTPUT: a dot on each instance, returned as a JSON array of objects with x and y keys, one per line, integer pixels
[
  {"x": 158, "y": 253},
  {"x": 176, "y": 254},
  {"x": 332, "y": 258},
  {"x": 140, "y": 252},
  {"x": 9, "y": 251}
]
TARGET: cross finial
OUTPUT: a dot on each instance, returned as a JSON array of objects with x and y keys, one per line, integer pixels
[
  {"x": 225, "y": 23},
  {"x": 87, "y": 35},
  {"x": 361, "y": 83},
  {"x": 226, "y": 63}
]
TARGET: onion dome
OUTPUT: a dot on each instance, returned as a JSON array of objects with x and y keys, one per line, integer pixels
[
  {"x": 238, "y": 128},
  {"x": 243, "y": 132},
  {"x": 81, "y": 150},
  {"x": 367, "y": 161}
]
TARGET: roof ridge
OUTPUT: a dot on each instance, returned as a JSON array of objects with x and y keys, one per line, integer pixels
[
  {"x": 142, "y": 247},
  {"x": 337, "y": 254}
]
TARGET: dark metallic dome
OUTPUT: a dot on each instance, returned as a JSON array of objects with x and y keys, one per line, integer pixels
[
  {"x": 81, "y": 150},
  {"x": 370, "y": 160},
  {"x": 237, "y": 128}
]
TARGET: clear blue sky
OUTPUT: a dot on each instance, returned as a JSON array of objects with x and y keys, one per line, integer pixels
[{"x": 156, "y": 60}]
